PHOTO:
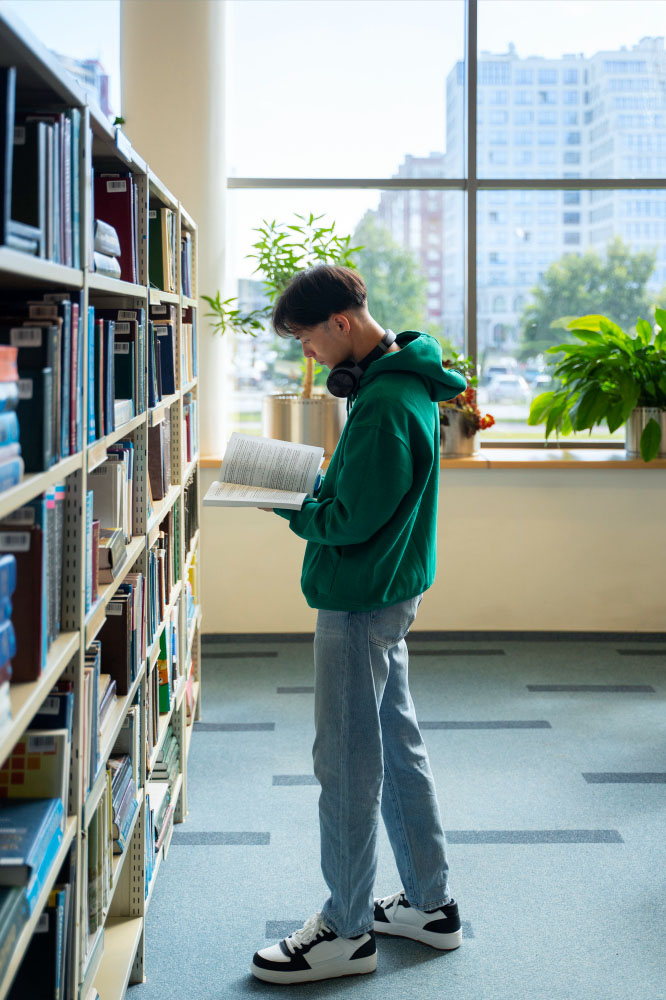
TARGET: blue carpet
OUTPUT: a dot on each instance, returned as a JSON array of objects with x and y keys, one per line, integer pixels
[{"x": 559, "y": 874}]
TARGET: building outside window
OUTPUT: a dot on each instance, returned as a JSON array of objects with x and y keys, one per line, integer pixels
[{"x": 615, "y": 71}]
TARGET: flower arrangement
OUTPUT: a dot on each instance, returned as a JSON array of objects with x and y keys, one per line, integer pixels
[{"x": 465, "y": 404}]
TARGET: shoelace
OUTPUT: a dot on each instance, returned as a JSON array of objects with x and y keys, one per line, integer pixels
[
  {"x": 390, "y": 900},
  {"x": 312, "y": 927}
]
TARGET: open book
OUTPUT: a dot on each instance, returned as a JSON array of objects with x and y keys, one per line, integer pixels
[{"x": 264, "y": 472}]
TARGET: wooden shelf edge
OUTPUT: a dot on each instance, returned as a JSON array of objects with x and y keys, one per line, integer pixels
[{"x": 27, "y": 698}]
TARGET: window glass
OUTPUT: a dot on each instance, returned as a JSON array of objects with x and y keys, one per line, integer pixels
[
  {"x": 613, "y": 66},
  {"x": 606, "y": 257},
  {"x": 344, "y": 90},
  {"x": 85, "y": 35},
  {"x": 414, "y": 276}
]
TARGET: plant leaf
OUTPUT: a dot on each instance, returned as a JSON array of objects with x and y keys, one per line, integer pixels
[
  {"x": 650, "y": 440},
  {"x": 540, "y": 406}
]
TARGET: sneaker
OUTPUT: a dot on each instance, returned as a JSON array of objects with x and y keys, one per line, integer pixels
[
  {"x": 315, "y": 952},
  {"x": 441, "y": 928}
]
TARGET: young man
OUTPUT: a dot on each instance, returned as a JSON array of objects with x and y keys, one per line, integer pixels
[{"x": 369, "y": 558}]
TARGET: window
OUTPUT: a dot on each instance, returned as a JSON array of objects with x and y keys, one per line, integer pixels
[{"x": 529, "y": 102}]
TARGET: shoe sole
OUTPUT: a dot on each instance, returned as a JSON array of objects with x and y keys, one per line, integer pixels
[
  {"x": 360, "y": 967},
  {"x": 445, "y": 942}
]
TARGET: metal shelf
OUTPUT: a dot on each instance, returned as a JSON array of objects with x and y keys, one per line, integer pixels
[{"x": 37, "y": 482}]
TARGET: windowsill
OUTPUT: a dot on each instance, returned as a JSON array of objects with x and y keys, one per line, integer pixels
[
  {"x": 528, "y": 458},
  {"x": 554, "y": 458}
]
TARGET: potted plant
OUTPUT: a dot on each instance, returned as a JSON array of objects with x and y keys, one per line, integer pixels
[
  {"x": 312, "y": 416},
  {"x": 460, "y": 419},
  {"x": 610, "y": 376}
]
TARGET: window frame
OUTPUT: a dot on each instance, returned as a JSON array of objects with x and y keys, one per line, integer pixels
[{"x": 470, "y": 184}]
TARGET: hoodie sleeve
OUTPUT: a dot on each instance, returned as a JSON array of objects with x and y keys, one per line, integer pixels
[{"x": 376, "y": 475}]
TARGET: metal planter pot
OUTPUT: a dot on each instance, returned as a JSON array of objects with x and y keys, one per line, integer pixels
[
  {"x": 318, "y": 421},
  {"x": 635, "y": 425},
  {"x": 454, "y": 440}
]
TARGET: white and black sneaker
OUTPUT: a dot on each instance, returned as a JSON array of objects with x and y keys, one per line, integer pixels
[
  {"x": 439, "y": 928},
  {"x": 315, "y": 952}
]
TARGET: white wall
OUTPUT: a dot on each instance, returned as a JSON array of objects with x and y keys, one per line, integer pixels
[{"x": 555, "y": 549}]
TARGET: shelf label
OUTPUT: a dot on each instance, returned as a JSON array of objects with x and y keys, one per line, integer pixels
[
  {"x": 26, "y": 336},
  {"x": 15, "y": 541},
  {"x": 25, "y": 388}
]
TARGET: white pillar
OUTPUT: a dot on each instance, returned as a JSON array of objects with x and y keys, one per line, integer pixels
[{"x": 172, "y": 75}]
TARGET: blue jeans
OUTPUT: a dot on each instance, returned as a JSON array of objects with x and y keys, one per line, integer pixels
[{"x": 368, "y": 754}]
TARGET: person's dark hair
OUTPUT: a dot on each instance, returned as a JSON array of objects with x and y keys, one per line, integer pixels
[{"x": 315, "y": 294}]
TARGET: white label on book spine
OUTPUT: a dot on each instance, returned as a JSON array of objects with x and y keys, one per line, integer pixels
[
  {"x": 24, "y": 515},
  {"x": 19, "y": 135},
  {"x": 152, "y": 214},
  {"x": 158, "y": 309},
  {"x": 26, "y": 336},
  {"x": 122, "y": 328},
  {"x": 25, "y": 388},
  {"x": 114, "y": 608},
  {"x": 116, "y": 186},
  {"x": 43, "y": 923},
  {"x": 125, "y": 314},
  {"x": 162, "y": 331},
  {"x": 15, "y": 541},
  {"x": 120, "y": 348},
  {"x": 46, "y": 744},
  {"x": 50, "y": 706}
]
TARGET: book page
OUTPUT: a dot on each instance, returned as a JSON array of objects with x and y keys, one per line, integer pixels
[
  {"x": 235, "y": 495},
  {"x": 276, "y": 465}
]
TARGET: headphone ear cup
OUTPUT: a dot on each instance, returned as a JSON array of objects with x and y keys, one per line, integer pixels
[{"x": 343, "y": 379}]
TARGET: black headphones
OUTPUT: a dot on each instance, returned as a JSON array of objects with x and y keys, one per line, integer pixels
[{"x": 345, "y": 377}]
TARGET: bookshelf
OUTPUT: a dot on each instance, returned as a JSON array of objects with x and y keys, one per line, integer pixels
[{"x": 114, "y": 957}]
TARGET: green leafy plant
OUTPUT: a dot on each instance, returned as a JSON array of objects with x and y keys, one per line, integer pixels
[
  {"x": 606, "y": 376},
  {"x": 281, "y": 251}
]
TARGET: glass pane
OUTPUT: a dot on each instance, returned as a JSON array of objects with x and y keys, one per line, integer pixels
[
  {"x": 563, "y": 92},
  {"x": 403, "y": 261},
  {"x": 332, "y": 89},
  {"x": 543, "y": 258},
  {"x": 85, "y": 35}
]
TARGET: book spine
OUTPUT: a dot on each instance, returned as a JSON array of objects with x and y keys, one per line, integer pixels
[
  {"x": 92, "y": 424},
  {"x": 89, "y": 520}
]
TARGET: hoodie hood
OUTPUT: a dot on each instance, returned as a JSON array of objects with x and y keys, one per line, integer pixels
[{"x": 419, "y": 354}]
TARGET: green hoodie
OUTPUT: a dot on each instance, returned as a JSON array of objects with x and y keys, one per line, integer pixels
[{"x": 371, "y": 529}]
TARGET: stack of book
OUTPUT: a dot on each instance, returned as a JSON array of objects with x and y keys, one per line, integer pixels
[
  {"x": 116, "y": 202},
  {"x": 162, "y": 226},
  {"x": 167, "y": 765},
  {"x": 106, "y": 252},
  {"x": 160, "y": 810},
  {"x": 31, "y": 832},
  {"x": 112, "y": 485},
  {"x": 123, "y": 800},
  {"x": 188, "y": 358},
  {"x": 34, "y": 535},
  {"x": 40, "y": 196}
]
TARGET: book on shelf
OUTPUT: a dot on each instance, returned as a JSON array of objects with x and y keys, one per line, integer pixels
[
  {"x": 191, "y": 432},
  {"x": 114, "y": 199},
  {"x": 106, "y": 240},
  {"x": 167, "y": 661},
  {"x": 14, "y": 914},
  {"x": 264, "y": 472},
  {"x": 105, "y": 264},
  {"x": 42, "y": 972},
  {"x": 129, "y": 348},
  {"x": 38, "y": 766},
  {"x": 186, "y": 264},
  {"x": 112, "y": 554},
  {"x": 29, "y": 177},
  {"x": 167, "y": 765},
  {"x": 31, "y": 603},
  {"x": 13, "y": 233},
  {"x": 162, "y": 249},
  {"x": 159, "y": 458},
  {"x": 128, "y": 741},
  {"x": 31, "y": 832},
  {"x": 106, "y": 698},
  {"x": 121, "y": 635},
  {"x": 112, "y": 487},
  {"x": 189, "y": 364},
  {"x": 164, "y": 319}
]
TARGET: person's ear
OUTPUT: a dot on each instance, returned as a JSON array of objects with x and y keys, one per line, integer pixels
[{"x": 340, "y": 323}]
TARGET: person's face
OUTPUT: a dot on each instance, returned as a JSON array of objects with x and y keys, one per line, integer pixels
[{"x": 328, "y": 343}]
